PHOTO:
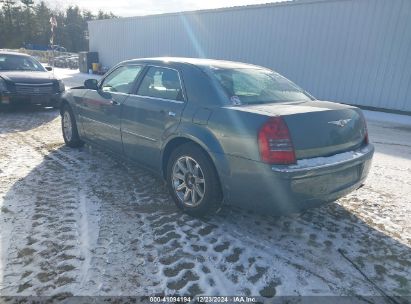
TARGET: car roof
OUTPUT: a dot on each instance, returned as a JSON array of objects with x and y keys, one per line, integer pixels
[
  {"x": 13, "y": 53},
  {"x": 200, "y": 62}
]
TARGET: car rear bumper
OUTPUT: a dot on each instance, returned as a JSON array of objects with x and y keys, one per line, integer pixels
[
  {"x": 286, "y": 189},
  {"x": 18, "y": 99}
]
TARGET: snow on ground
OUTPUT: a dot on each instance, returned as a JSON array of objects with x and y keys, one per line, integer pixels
[
  {"x": 73, "y": 78},
  {"x": 79, "y": 222}
]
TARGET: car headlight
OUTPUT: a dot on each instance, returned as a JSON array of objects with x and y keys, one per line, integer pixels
[
  {"x": 3, "y": 86},
  {"x": 61, "y": 86}
]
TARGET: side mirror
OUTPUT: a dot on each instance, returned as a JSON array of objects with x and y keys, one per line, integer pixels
[
  {"x": 91, "y": 84},
  {"x": 49, "y": 68}
]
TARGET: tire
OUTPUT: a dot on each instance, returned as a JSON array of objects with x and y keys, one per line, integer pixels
[
  {"x": 69, "y": 128},
  {"x": 190, "y": 172}
]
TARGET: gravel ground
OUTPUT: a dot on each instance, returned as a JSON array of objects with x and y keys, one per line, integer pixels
[{"x": 79, "y": 222}]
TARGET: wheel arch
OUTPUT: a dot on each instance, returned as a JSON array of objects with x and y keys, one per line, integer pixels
[
  {"x": 68, "y": 99},
  {"x": 217, "y": 159},
  {"x": 64, "y": 102},
  {"x": 172, "y": 144}
]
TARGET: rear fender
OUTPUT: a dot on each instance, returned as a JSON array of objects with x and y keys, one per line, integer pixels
[{"x": 202, "y": 136}]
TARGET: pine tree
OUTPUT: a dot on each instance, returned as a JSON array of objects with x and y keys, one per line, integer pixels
[
  {"x": 23, "y": 23},
  {"x": 42, "y": 23},
  {"x": 27, "y": 21}
]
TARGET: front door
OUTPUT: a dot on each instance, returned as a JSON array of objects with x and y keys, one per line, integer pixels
[
  {"x": 150, "y": 115},
  {"x": 101, "y": 109}
]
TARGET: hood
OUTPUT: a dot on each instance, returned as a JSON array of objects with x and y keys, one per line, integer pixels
[{"x": 27, "y": 76}]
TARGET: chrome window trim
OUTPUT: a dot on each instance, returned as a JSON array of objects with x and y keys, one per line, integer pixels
[
  {"x": 116, "y": 93},
  {"x": 164, "y": 99},
  {"x": 158, "y": 98}
]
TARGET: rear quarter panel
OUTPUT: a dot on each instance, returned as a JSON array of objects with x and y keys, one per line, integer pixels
[
  {"x": 237, "y": 131},
  {"x": 218, "y": 128},
  {"x": 221, "y": 128}
]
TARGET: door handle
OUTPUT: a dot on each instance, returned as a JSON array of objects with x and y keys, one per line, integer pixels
[
  {"x": 114, "y": 103},
  {"x": 170, "y": 113}
]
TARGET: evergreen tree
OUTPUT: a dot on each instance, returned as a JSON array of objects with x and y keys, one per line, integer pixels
[
  {"x": 27, "y": 21},
  {"x": 24, "y": 23},
  {"x": 42, "y": 23}
]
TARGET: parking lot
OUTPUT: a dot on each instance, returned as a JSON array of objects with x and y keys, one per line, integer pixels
[{"x": 79, "y": 222}]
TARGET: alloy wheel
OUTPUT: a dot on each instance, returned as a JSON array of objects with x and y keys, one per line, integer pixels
[
  {"x": 67, "y": 126},
  {"x": 188, "y": 181}
]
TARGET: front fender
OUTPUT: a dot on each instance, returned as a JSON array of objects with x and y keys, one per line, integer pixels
[{"x": 70, "y": 98}]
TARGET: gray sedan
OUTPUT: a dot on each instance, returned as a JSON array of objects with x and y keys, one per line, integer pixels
[{"x": 219, "y": 131}]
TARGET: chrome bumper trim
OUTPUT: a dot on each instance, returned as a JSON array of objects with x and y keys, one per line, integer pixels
[{"x": 325, "y": 162}]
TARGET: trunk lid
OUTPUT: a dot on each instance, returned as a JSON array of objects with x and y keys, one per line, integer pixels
[{"x": 317, "y": 128}]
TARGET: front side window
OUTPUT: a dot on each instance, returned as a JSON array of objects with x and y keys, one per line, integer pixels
[
  {"x": 121, "y": 80},
  {"x": 19, "y": 63},
  {"x": 161, "y": 83},
  {"x": 253, "y": 85}
]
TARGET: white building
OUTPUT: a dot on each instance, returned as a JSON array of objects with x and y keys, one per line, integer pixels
[{"x": 351, "y": 51}]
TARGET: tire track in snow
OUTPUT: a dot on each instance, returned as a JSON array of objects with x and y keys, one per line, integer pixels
[
  {"x": 45, "y": 248},
  {"x": 127, "y": 237}
]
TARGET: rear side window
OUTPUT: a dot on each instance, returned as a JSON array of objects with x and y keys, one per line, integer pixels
[
  {"x": 161, "y": 83},
  {"x": 121, "y": 80}
]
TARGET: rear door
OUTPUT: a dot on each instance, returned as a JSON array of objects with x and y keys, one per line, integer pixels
[
  {"x": 101, "y": 109},
  {"x": 153, "y": 112}
]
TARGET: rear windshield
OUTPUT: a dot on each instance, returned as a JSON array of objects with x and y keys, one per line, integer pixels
[
  {"x": 19, "y": 63},
  {"x": 256, "y": 86}
]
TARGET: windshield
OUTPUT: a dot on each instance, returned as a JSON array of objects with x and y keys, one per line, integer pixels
[
  {"x": 19, "y": 63},
  {"x": 256, "y": 86}
]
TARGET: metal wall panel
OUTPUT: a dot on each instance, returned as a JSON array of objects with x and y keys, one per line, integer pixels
[{"x": 351, "y": 51}]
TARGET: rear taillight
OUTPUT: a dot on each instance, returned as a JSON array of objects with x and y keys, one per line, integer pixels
[{"x": 275, "y": 142}]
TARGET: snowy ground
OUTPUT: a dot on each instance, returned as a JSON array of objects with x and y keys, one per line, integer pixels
[
  {"x": 78, "y": 222},
  {"x": 73, "y": 78}
]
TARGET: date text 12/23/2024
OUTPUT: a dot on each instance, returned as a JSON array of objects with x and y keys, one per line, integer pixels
[{"x": 203, "y": 299}]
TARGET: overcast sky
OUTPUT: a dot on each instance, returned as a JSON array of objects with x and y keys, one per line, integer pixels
[{"x": 126, "y": 8}]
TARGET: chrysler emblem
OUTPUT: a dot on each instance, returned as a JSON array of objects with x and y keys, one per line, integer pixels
[
  {"x": 341, "y": 123},
  {"x": 36, "y": 90}
]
